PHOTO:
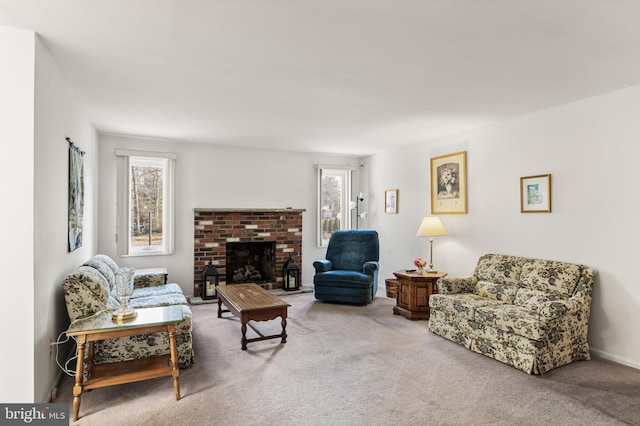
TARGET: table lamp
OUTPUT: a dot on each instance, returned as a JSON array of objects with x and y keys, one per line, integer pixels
[{"x": 431, "y": 227}]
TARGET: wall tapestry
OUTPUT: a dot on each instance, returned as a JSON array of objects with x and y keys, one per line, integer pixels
[{"x": 76, "y": 195}]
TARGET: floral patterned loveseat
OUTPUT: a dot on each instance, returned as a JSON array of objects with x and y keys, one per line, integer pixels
[
  {"x": 91, "y": 289},
  {"x": 529, "y": 313}
]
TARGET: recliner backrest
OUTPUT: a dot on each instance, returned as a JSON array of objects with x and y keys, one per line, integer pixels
[{"x": 350, "y": 249}]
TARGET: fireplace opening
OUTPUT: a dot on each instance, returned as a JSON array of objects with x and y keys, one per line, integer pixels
[{"x": 250, "y": 262}]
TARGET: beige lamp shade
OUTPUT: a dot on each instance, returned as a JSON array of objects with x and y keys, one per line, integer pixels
[{"x": 431, "y": 227}]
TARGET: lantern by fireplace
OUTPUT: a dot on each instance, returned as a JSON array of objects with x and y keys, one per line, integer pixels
[
  {"x": 291, "y": 275},
  {"x": 210, "y": 281}
]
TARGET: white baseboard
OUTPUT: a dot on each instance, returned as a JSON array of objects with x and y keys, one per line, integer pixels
[{"x": 615, "y": 358}]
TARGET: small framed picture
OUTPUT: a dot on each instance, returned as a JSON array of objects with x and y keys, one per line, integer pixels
[
  {"x": 535, "y": 194},
  {"x": 391, "y": 201}
]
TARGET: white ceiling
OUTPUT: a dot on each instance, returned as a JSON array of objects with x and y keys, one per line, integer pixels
[{"x": 352, "y": 77}]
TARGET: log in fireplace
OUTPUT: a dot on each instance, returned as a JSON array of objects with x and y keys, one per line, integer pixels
[{"x": 251, "y": 262}]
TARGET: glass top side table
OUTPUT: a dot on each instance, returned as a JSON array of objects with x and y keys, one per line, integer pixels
[{"x": 100, "y": 327}]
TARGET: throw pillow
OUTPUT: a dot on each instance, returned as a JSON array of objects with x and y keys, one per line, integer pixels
[
  {"x": 551, "y": 276},
  {"x": 493, "y": 291}
]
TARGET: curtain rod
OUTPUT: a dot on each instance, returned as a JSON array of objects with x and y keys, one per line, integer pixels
[{"x": 75, "y": 146}]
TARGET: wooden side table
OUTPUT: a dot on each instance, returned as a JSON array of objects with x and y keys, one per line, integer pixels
[
  {"x": 100, "y": 327},
  {"x": 414, "y": 291}
]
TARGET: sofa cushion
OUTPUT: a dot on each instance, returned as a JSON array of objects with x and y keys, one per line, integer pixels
[
  {"x": 499, "y": 269},
  {"x": 95, "y": 282},
  {"x": 500, "y": 292},
  {"x": 158, "y": 300},
  {"x": 463, "y": 305},
  {"x": 104, "y": 269},
  {"x": 344, "y": 278},
  {"x": 550, "y": 276},
  {"x": 513, "y": 319},
  {"x": 84, "y": 295},
  {"x": 533, "y": 299},
  {"x": 159, "y": 290},
  {"x": 108, "y": 261}
]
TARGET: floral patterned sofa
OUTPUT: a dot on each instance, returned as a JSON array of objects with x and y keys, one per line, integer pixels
[
  {"x": 91, "y": 289},
  {"x": 529, "y": 313}
]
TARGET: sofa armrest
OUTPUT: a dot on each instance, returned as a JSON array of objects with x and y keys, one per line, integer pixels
[
  {"x": 554, "y": 309},
  {"x": 456, "y": 285},
  {"x": 151, "y": 279},
  {"x": 322, "y": 266},
  {"x": 369, "y": 268}
]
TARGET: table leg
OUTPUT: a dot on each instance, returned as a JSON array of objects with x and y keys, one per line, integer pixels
[
  {"x": 219, "y": 306},
  {"x": 244, "y": 335},
  {"x": 175, "y": 370},
  {"x": 77, "y": 389},
  {"x": 284, "y": 328}
]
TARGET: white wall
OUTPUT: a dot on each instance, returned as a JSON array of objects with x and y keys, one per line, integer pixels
[
  {"x": 16, "y": 214},
  {"x": 37, "y": 112},
  {"x": 591, "y": 149},
  {"x": 217, "y": 177},
  {"x": 57, "y": 115}
]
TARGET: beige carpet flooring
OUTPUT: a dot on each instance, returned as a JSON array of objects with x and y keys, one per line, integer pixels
[{"x": 358, "y": 365}]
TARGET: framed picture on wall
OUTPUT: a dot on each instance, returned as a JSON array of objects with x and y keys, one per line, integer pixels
[
  {"x": 391, "y": 201},
  {"x": 535, "y": 194},
  {"x": 449, "y": 183}
]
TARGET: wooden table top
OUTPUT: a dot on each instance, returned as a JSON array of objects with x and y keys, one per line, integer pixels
[
  {"x": 425, "y": 276},
  {"x": 248, "y": 297}
]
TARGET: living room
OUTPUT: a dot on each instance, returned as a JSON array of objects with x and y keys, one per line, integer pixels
[{"x": 587, "y": 143}]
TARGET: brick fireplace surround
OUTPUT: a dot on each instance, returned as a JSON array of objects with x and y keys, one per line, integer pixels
[{"x": 214, "y": 228}]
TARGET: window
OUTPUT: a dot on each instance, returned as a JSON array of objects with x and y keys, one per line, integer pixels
[
  {"x": 334, "y": 193},
  {"x": 145, "y": 202}
]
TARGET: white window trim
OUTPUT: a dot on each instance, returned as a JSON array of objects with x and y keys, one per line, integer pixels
[
  {"x": 345, "y": 223},
  {"x": 123, "y": 223}
]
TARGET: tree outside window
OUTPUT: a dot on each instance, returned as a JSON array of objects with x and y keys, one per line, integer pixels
[
  {"x": 334, "y": 189},
  {"x": 145, "y": 202},
  {"x": 147, "y": 182}
]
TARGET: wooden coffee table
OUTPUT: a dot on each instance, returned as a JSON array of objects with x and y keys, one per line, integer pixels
[{"x": 250, "y": 302}]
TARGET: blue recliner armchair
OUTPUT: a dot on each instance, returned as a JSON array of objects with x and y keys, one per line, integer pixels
[{"x": 349, "y": 274}]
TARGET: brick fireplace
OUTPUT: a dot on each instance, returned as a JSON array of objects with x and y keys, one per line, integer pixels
[{"x": 214, "y": 228}]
